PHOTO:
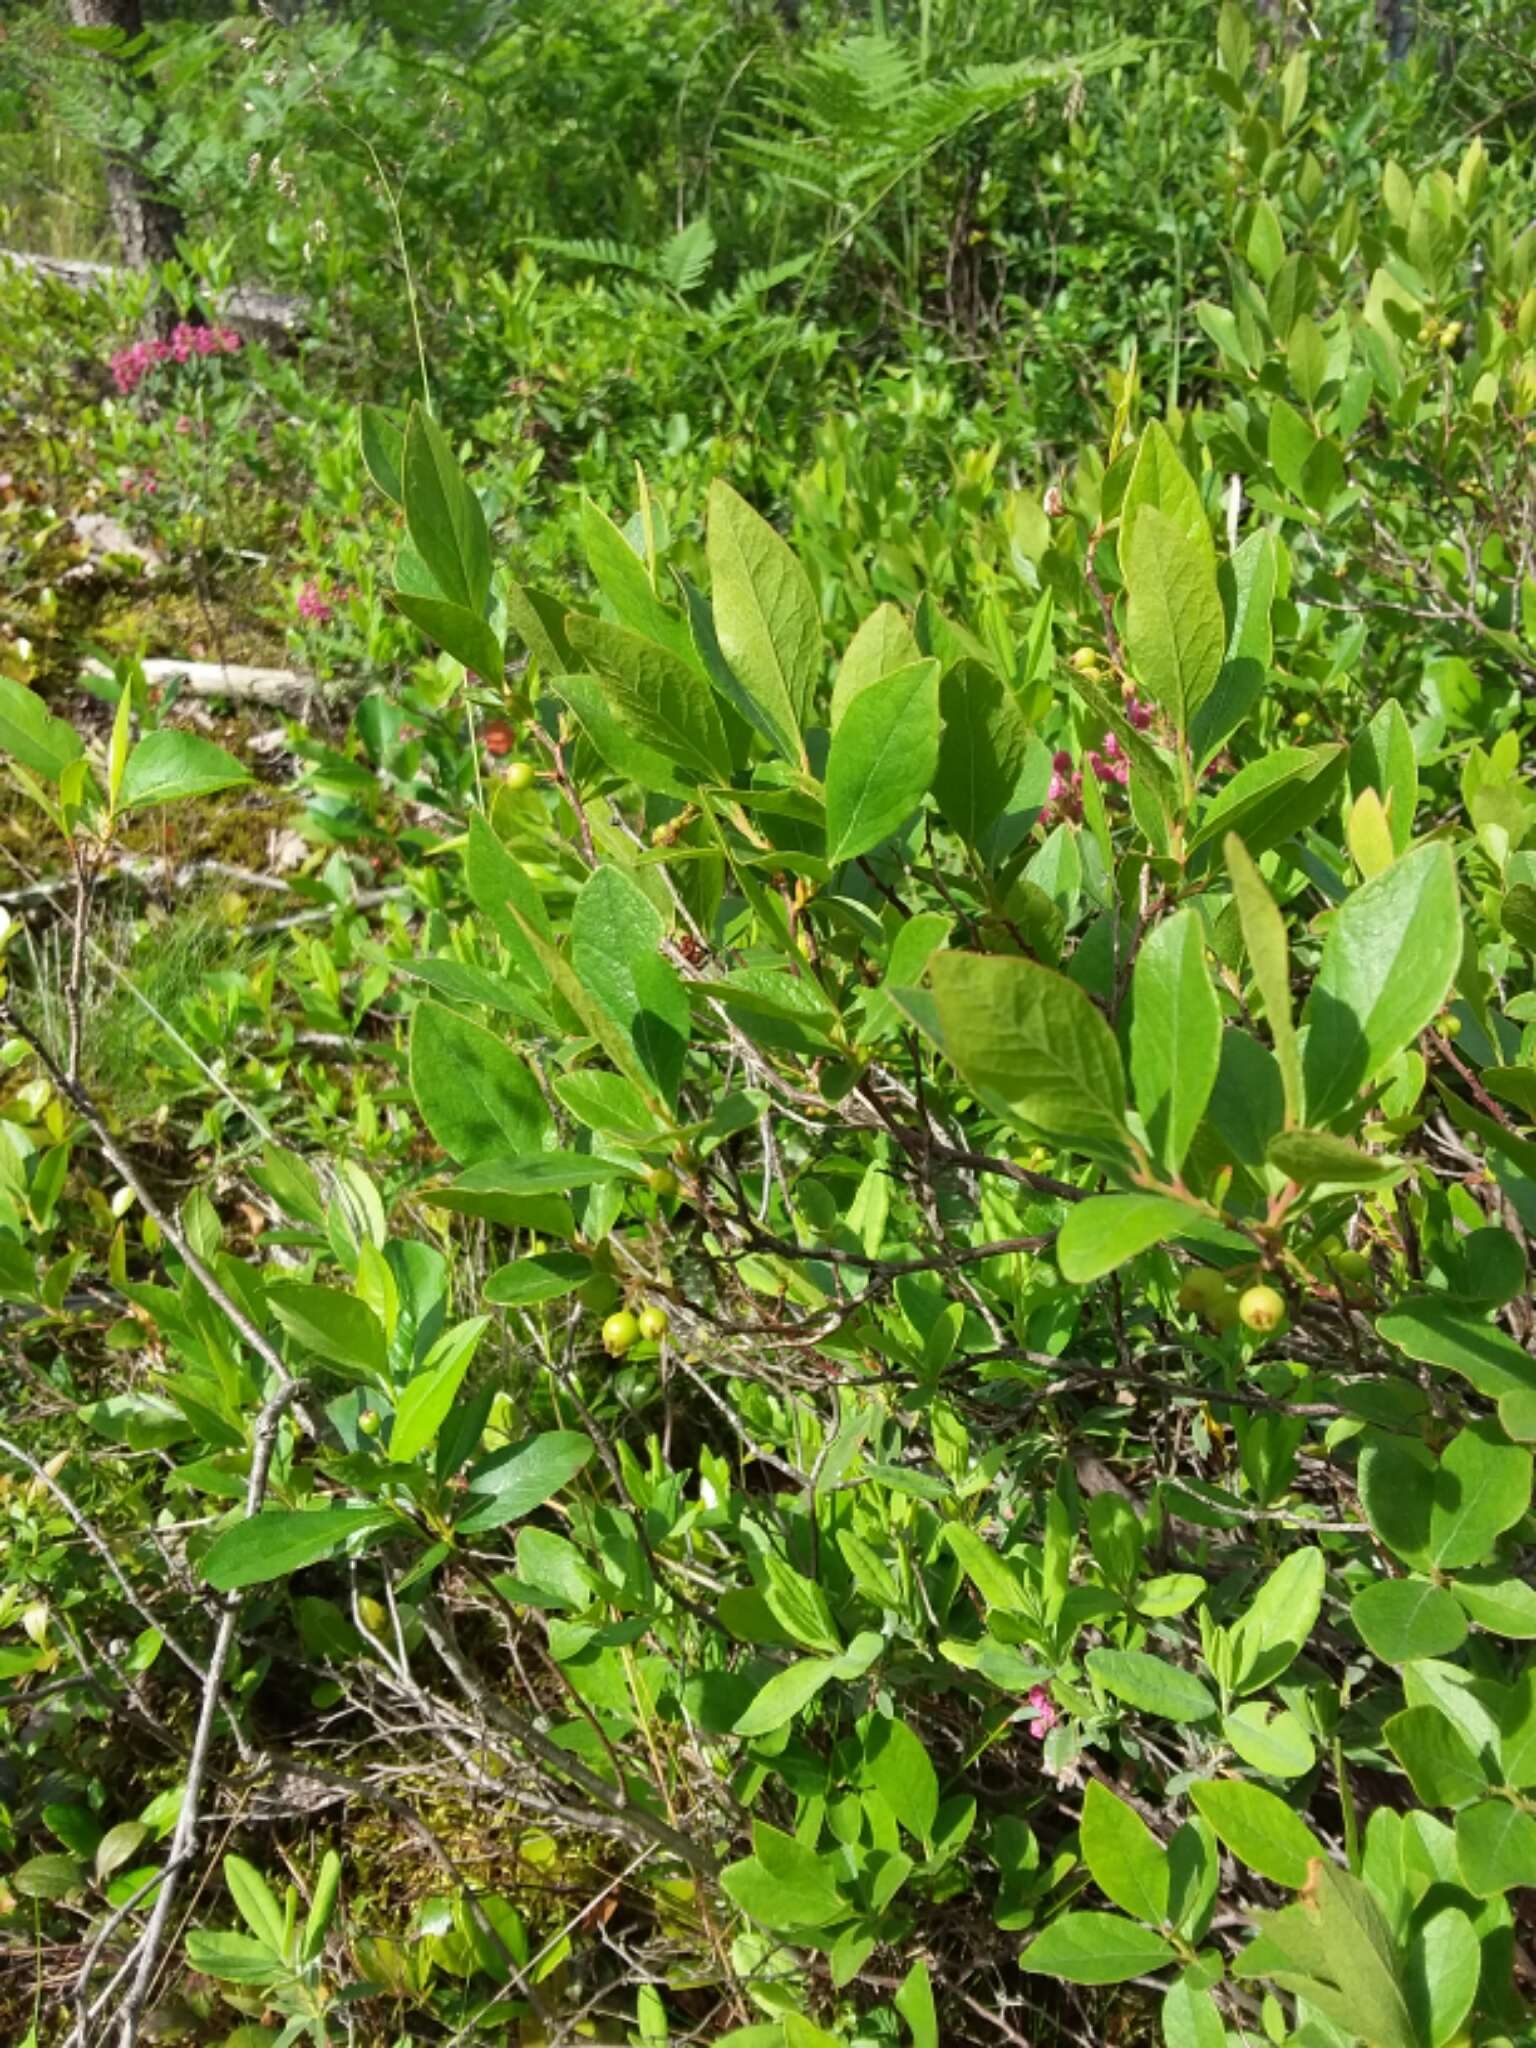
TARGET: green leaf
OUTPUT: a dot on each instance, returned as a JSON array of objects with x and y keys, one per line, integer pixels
[
  {"x": 993, "y": 1579},
  {"x": 616, "y": 934},
  {"x": 766, "y": 618},
  {"x": 457, "y": 630},
  {"x": 660, "y": 701},
  {"x": 1126, "y": 1860},
  {"x": 1259, "y": 1828},
  {"x": 1382, "y": 758},
  {"x": 500, "y": 889},
  {"x": 914, "y": 2002},
  {"x": 1106, "y": 1230},
  {"x": 330, "y": 1325},
  {"x": 477, "y": 1097},
  {"x": 1269, "y": 956},
  {"x": 1175, "y": 1035},
  {"x": 1445, "y": 1516},
  {"x": 901, "y": 1771},
  {"x": 1439, "y": 1332},
  {"x": 1151, "y": 1684},
  {"x": 280, "y": 1541},
  {"x": 1400, "y": 1619},
  {"x": 257, "y": 1907},
  {"x": 427, "y": 1397},
  {"x": 1190, "y": 2017},
  {"x": 784, "y": 1884},
  {"x": 1388, "y": 962},
  {"x": 621, "y": 575},
  {"x": 982, "y": 751},
  {"x": 548, "y": 1277},
  {"x": 1036, "y": 1041},
  {"x": 776, "y": 1704},
  {"x": 1281, "y": 1616},
  {"x": 1317, "y": 1158},
  {"x": 1271, "y": 1740},
  {"x": 167, "y": 766},
  {"x": 443, "y": 515},
  {"x": 1175, "y": 628},
  {"x": 882, "y": 760},
  {"x": 883, "y": 644},
  {"x": 1441, "y": 1972},
  {"x": 1159, "y": 479},
  {"x": 233, "y": 1958},
  {"x": 383, "y": 449},
  {"x": 1095, "y": 1948},
  {"x": 513, "y": 1482},
  {"x": 1496, "y": 1848},
  {"x": 1441, "y": 1764},
  {"x": 30, "y": 732},
  {"x": 1498, "y": 1602},
  {"x": 48, "y": 1877}
]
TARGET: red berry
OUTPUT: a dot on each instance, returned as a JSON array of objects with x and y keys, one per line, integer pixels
[{"x": 498, "y": 737}]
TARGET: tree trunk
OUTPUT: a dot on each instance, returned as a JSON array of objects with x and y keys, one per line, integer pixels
[{"x": 146, "y": 227}]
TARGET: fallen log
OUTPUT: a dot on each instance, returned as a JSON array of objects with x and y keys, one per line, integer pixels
[
  {"x": 237, "y": 681},
  {"x": 250, "y": 310}
]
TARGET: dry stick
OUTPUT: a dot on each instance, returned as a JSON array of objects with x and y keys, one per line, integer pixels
[
  {"x": 103, "y": 1550},
  {"x": 264, "y": 1444},
  {"x": 172, "y": 1232},
  {"x": 627, "y": 1818}
]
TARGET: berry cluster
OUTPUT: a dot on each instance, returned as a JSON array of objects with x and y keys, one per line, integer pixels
[{"x": 130, "y": 366}]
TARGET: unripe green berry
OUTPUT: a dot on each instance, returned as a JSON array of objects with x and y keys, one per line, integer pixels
[
  {"x": 1261, "y": 1309},
  {"x": 518, "y": 776},
  {"x": 368, "y": 1422},
  {"x": 662, "y": 1181},
  {"x": 654, "y": 1323},
  {"x": 620, "y": 1332}
]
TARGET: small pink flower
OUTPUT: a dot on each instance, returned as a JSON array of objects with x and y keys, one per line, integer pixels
[
  {"x": 1111, "y": 746},
  {"x": 1061, "y": 761},
  {"x": 1123, "y": 774},
  {"x": 1138, "y": 713},
  {"x": 1043, "y": 1715},
  {"x": 184, "y": 424},
  {"x": 311, "y": 605},
  {"x": 1058, "y": 789}
]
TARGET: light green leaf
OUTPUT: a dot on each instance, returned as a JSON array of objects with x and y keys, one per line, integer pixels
[
  {"x": 1175, "y": 629},
  {"x": 1496, "y": 1848},
  {"x": 1190, "y": 2018},
  {"x": 883, "y": 644},
  {"x": 458, "y": 631},
  {"x": 1126, "y": 1860},
  {"x": 477, "y": 1096},
  {"x": 1271, "y": 1740},
  {"x": 330, "y": 1325},
  {"x": 616, "y": 935},
  {"x": 1388, "y": 963},
  {"x": 513, "y": 1482},
  {"x": 1151, "y": 1684},
  {"x": 1095, "y": 1948},
  {"x": 281, "y": 1541},
  {"x": 258, "y": 1909},
  {"x": 167, "y": 766},
  {"x": 914, "y": 2002},
  {"x": 766, "y": 618},
  {"x": 1441, "y": 1972},
  {"x": 30, "y": 732},
  {"x": 1159, "y": 479},
  {"x": 658, "y": 700},
  {"x": 1036, "y": 1041},
  {"x": 1106, "y": 1230},
  {"x": 1440, "y": 1762},
  {"x": 443, "y": 515},
  {"x": 1259, "y": 1828},
  {"x": 424, "y": 1404},
  {"x": 1269, "y": 956},
  {"x": 982, "y": 752},
  {"x": 882, "y": 759},
  {"x": 776, "y": 1704},
  {"x": 902, "y": 1772},
  {"x": 1175, "y": 1035},
  {"x": 1400, "y": 1619}
]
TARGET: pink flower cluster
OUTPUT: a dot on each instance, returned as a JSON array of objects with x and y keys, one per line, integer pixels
[
  {"x": 1107, "y": 762},
  {"x": 1043, "y": 1715},
  {"x": 317, "y": 606},
  {"x": 130, "y": 366}
]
